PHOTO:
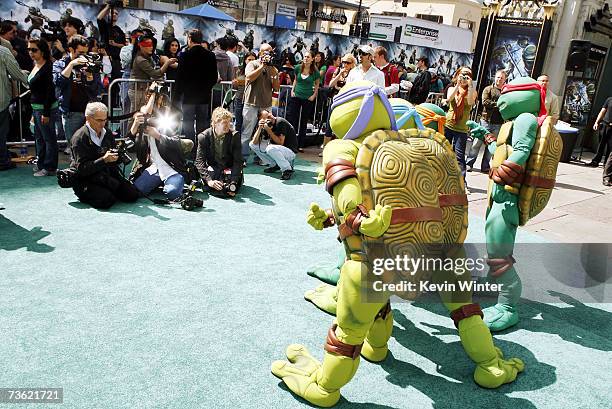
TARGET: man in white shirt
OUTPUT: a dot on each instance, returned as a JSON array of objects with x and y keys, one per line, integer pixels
[{"x": 366, "y": 69}]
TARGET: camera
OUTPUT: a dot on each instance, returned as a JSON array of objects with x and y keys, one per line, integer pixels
[
  {"x": 53, "y": 31},
  {"x": 188, "y": 201},
  {"x": 93, "y": 64},
  {"x": 266, "y": 58},
  {"x": 230, "y": 188},
  {"x": 115, "y": 3},
  {"x": 121, "y": 151},
  {"x": 66, "y": 177}
]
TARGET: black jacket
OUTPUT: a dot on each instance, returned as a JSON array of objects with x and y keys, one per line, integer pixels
[
  {"x": 87, "y": 159},
  {"x": 232, "y": 156},
  {"x": 196, "y": 74},
  {"x": 420, "y": 87},
  {"x": 169, "y": 148},
  {"x": 43, "y": 89}
]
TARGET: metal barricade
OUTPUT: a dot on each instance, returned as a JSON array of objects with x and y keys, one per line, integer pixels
[
  {"x": 19, "y": 107},
  {"x": 435, "y": 98}
]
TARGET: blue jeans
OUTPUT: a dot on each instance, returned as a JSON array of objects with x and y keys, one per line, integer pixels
[
  {"x": 5, "y": 161},
  {"x": 475, "y": 149},
  {"x": 46, "y": 139},
  {"x": 173, "y": 186},
  {"x": 72, "y": 121},
  {"x": 198, "y": 114},
  {"x": 458, "y": 140},
  {"x": 238, "y": 106},
  {"x": 272, "y": 154}
]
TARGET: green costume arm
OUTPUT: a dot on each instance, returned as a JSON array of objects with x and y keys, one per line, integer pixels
[{"x": 524, "y": 132}]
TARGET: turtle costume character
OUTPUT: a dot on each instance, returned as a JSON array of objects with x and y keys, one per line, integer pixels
[
  {"x": 525, "y": 159},
  {"x": 385, "y": 195},
  {"x": 407, "y": 117}
]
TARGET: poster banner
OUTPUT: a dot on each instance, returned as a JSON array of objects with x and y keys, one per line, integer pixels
[
  {"x": 514, "y": 48},
  {"x": 578, "y": 100},
  {"x": 36, "y": 14}
]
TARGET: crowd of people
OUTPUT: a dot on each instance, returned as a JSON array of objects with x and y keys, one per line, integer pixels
[{"x": 67, "y": 73}]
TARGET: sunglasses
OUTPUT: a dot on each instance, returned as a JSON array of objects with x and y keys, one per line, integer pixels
[
  {"x": 347, "y": 62},
  {"x": 362, "y": 53},
  {"x": 34, "y": 50}
]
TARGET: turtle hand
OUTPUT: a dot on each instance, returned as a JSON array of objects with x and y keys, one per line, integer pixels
[
  {"x": 378, "y": 221},
  {"x": 316, "y": 217}
]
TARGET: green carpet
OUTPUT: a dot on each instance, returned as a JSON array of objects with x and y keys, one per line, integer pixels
[{"x": 145, "y": 306}]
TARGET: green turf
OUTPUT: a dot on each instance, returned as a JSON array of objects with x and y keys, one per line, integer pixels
[{"x": 144, "y": 306}]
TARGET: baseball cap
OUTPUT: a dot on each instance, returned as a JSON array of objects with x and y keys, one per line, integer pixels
[{"x": 366, "y": 49}]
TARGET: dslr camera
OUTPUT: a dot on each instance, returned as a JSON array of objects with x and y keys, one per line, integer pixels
[
  {"x": 188, "y": 201},
  {"x": 122, "y": 151},
  {"x": 115, "y": 3},
  {"x": 266, "y": 58}
]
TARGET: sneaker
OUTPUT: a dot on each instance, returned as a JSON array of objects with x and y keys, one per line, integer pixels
[
  {"x": 301, "y": 150},
  {"x": 272, "y": 169},
  {"x": 287, "y": 174},
  {"x": 468, "y": 168},
  {"x": 321, "y": 155},
  {"x": 257, "y": 161},
  {"x": 607, "y": 183},
  {"x": 42, "y": 172},
  {"x": 592, "y": 164}
]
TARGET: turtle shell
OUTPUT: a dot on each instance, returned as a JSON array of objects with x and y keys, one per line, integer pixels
[
  {"x": 439, "y": 152},
  {"x": 401, "y": 169},
  {"x": 543, "y": 162}
]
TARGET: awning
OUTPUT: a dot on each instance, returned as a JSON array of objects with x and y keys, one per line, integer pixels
[
  {"x": 341, "y": 4},
  {"x": 206, "y": 10}
]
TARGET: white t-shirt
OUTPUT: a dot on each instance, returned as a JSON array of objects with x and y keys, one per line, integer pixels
[
  {"x": 158, "y": 164},
  {"x": 373, "y": 74},
  {"x": 234, "y": 59}
]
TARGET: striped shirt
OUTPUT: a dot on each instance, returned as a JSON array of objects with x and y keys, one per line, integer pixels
[{"x": 8, "y": 66}]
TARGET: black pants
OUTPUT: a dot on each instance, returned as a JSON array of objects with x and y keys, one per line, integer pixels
[
  {"x": 102, "y": 197},
  {"x": 605, "y": 132},
  {"x": 293, "y": 116},
  {"x": 607, "y": 172}
]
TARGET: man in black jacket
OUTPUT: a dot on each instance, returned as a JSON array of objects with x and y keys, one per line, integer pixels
[
  {"x": 161, "y": 160},
  {"x": 98, "y": 181},
  {"x": 196, "y": 75},
  {"x": 420, "y": 85},
  {"x": 219, "y": 155}
]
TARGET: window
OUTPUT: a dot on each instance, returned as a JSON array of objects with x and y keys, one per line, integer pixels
[
  {"x": 430, "y": 17},
  {"x": 465, "y": 23}
]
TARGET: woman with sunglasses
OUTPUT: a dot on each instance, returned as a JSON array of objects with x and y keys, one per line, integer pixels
[
  {"x": 44, "y": 108},
  {"x": 461, "y": 99},
  {"x": 337, "y": 81},
  {"x": 171, "y": 50},
  {"x": 303, "y": 95}
]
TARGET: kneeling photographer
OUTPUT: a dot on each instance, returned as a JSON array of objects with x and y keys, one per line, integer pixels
[
  {"x": 161, "y": 158},
  {"x": 219, "y": 155},
  {"x": 275, "y": 143},
  {"x": 97, "y": 180}
]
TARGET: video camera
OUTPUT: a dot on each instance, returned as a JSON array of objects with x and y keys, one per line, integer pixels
[{"x": 94, "y": 63}]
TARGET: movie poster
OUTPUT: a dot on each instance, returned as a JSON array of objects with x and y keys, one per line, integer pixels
[
  {"x": 578, "y": 100},
  {"x": 514, "y": 50}
]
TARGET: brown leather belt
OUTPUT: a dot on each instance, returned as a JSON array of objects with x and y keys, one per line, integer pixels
[
  {"x": 416, "y": 214},
  {"x": 453, "y": 200},
  {"x": 465, "y": 312},
  {"x": 335, "y": 346}
]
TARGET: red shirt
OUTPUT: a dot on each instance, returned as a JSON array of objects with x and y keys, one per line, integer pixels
[{"x": 391, "y": 74}]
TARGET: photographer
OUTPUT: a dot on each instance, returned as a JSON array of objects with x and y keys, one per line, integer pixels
[
  {"x": 98, "y": 181},
  {"x": 76, "y": 84},
  {"x": 261, "y": 79},
  {"x": 111, "y": 34},
  {"x": 160, "y": 159},
  {"x": 219, "y": 157},
  {"x": 275, "y": 143}
]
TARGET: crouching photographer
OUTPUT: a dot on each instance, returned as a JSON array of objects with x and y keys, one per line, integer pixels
[
  {"x": 161, "y": 158},
  {"x": 275, "y": 143},
  {"x": 94, "y": 174},
  {"x": 219, "y": 155}
]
